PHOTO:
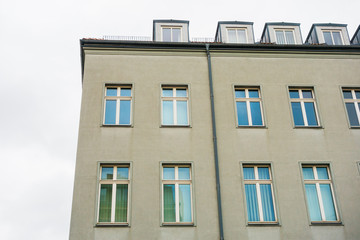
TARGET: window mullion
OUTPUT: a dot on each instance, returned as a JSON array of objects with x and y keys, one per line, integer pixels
[
  {"x": 117, "y": 111},
  {"x": 322, "y": 211},
  {"x": 258, "y": 193},
  {"x": 175, "y": 112},
  {"x": 177, "y": 202},
  {"x": 248, "y": 109},
  {"x": 113, "y": 201}
]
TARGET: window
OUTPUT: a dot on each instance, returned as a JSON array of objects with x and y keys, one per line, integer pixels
[
  {"x": 352, "y": 103},
  {"x": 319, "y": 193},
  {"x": 174, "y": 103},
  {"x": 113, "y": 194},
  {"x": 248, "y": 107},
  {"x": 285, "y": 36},
  {"x": 177, "y": 194},
  {"x": 332, "y": 37},
  {"x": 237, "y": 35},
  {"x": 259, "y": 194},
  {"x": 303, "y": 107},
  {"x": 117, "y": 110},
  {"x": 171, "y": 34}
]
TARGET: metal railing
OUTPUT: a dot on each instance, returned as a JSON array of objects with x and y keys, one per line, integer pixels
[{"x": 149, "y": 39}]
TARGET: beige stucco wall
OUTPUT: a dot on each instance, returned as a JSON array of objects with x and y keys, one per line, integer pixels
[{"x": 146, "y": 144}]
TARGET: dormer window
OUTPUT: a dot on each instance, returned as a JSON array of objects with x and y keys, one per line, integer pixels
[
  {"x": 329, "y": 34},
  {"x": 237, "y": 35},
  {"x": 281, "y": 33},
  {"x": 171, "y": 34},
  {"x": 234, "y": 32},
  {"x": 332, "y": 37},
  {"x": 171, "y": 30},
  {"x": 285, "y": 36}
]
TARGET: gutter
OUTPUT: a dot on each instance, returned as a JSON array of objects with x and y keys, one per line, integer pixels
[{"x": 216, "y": 158}]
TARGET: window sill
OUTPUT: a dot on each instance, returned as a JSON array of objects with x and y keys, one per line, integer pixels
[
  {"x": 265, "y": 224},
  {"x": 112, "y": 225},
  {"x": 308, "y": 127},
  {"x": 326, "y": 224},
  {"x": 177, "y": 225},
  {"x": 354, "y": 127},
  {"x": 175, "y": 126},
  {"x": 241, "y": 126},
  {"x": 113, "y": 125}
]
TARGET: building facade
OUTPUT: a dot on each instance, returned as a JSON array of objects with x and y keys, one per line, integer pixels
[{"x": 219, "y": 140}]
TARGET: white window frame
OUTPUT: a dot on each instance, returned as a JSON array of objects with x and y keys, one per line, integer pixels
[
  {"x": 302, "y": 101},
  {"x": 118, "y": 98},
  {"x": 176, "y": 182},
  {"x": 332, "y": 36},
  {"x": 247, "y": 99},
  {"x": 236, "y": 30},
  {"x": 114, "y": 182},
  {"x": 257, "y": 183},
  {"x": 174, "y": 99},
  {"x": 355, "y": 101},
  {"x": 171, "y": 32},
  {"x": 283, "y": 32},
  {"x": 317, "y": 183}
]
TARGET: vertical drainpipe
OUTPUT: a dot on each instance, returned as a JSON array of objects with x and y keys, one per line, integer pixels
[{"x": 215, "y": 143}]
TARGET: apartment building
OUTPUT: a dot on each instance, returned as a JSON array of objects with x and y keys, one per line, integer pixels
[{"x": 223, "y": 139}]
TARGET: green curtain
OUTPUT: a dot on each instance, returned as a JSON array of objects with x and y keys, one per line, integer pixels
[
  {"x": 121, "y": 203},
  {"x": 169, "y": 203},
  {"x": 105, "y": 203}
]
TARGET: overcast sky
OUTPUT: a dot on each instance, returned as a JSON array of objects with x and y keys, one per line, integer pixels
[{"x": 40, "y": 86}]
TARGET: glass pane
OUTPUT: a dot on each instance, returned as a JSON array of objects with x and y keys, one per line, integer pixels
[
  {"x": 308, "y": 173},
  {"x": 185, "y": 203},
  {"x": 337, "y": 38},
  {"x": 125, "y": 107},
  {"x": 253, "y": 94},
  {"x": 166, "y": 34},
  {"x": 107, "y": 173},
  {"x": 310, "y": 114},
  {"x": 249, "y": 173},
  {"x": 327, "y": 38},
  {"x": 110, "y": 112},
  {"x": 169, "y": 173},
  {"x": 176, "y": 34},
  {"x": 328, "y": 202},
  {"x": 167, "y": 92},
  {"x": 125, "y": 92},
  {"x": 322, "y": 173},
  {"x": 242, "y": 114},
  {"x": 263, "y": 173},
  {"x": 307, "y": 94},
  {"x": 280, "y": 37},
  {"x": 111, "y": 91},
  {"x": 241, "y": 36},
  {"x": 105, "y": 203},
  {"x": 357, "y": 94},
  {"x": 267, "y": 202},
  {"x": 313, "y": 202},
  {"x": 353, "y": 119},
  {"x": 169, "y": 203},
  {"x": 297, "y": 114},
  {"x": 122, "y": 173},
  {"x": 168, "y": 114},
  {"x": 347, "y": 94},
  {"x": 121, "y": 203},
  {"x": 181, "y": 93},
  {"x": 184, "y": 173},
  {"x": 256, "y": 114},
  {"x": 294, "y": 94},
  {"x": 289, "y": 37},
  {"x": 251, "y": 203},
  {"x": 240, "y": 93},
  {"x": 182, "y": 113},
  {"x": 232, "y": 35}
]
